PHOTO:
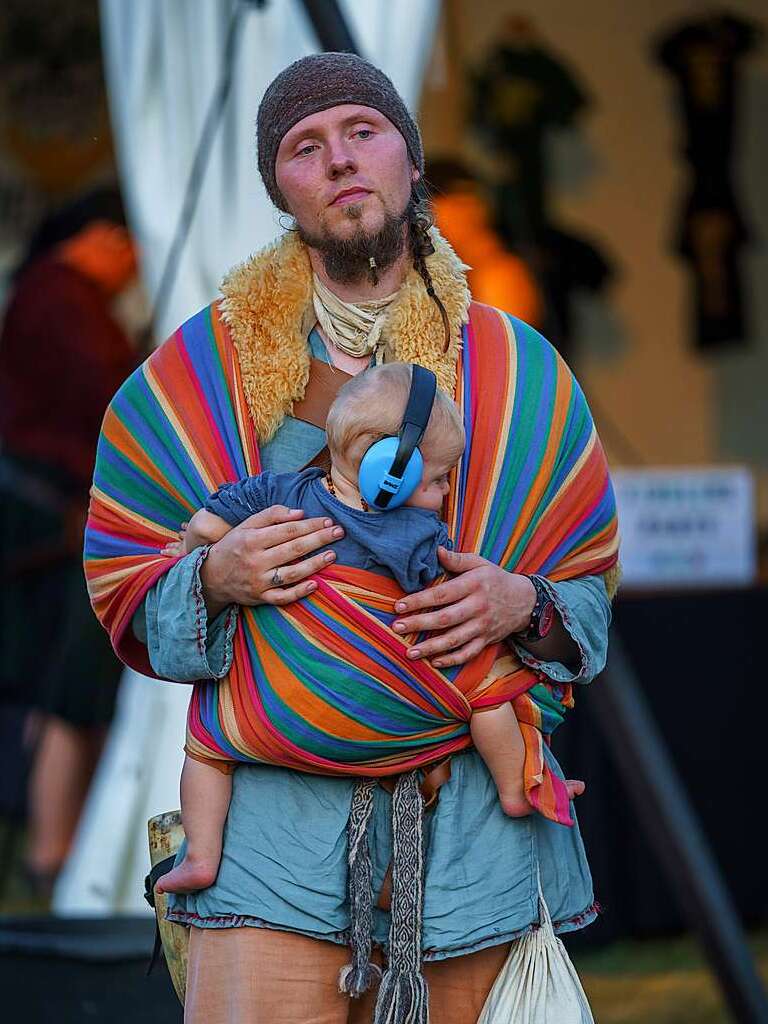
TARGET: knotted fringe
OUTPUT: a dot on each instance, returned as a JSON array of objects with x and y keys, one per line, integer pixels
[
  {"x": 358, "y": 976},
  {"x": 403, "y": 999},
  {"x": 403, "y": 995}
]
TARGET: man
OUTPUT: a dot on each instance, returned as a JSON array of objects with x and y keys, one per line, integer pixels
[{"x": 361, "y": 277}]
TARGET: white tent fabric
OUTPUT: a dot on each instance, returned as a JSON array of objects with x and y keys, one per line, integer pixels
[{"x": 163, "y": 59}]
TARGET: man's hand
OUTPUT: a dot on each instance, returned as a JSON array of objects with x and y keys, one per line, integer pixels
[
  {"x": 480, "y": 606},
  {"x": 240, "y": 568}
]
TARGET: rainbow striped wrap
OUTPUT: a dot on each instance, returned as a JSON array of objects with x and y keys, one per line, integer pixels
[{"x": 324, "y": 684}]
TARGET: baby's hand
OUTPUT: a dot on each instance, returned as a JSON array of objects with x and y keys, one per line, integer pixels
[
  {"x": 203, "y": 528},
  {"x": 177, "y": 547}
]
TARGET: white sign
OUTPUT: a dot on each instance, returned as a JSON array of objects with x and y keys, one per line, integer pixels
[{"x": 686, "y": 526}]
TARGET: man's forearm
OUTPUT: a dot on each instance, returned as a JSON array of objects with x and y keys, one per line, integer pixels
[
  {"x": 583, "y": 614},
  {"x": 557, "y": 645}
]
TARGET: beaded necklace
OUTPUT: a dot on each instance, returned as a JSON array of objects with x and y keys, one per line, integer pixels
[{"x": 332, "y": 489}]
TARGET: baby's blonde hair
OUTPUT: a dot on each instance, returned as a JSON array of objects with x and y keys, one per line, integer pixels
[{"x": 371, "y": 406}]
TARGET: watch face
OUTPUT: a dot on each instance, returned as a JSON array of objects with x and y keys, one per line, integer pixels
[{"x": 546, "y": 618}]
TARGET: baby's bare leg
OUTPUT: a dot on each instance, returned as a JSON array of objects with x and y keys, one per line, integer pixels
[
  {"x": 203, "y": 528},
  {"x": 205, "y": 796},
  {"x": 497, "y": 738}
]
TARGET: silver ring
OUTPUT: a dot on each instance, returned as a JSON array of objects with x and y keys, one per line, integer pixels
[{"x": 277, "y": 579}]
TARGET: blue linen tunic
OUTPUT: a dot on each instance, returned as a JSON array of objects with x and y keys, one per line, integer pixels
[{"x": 284, "y": 859}]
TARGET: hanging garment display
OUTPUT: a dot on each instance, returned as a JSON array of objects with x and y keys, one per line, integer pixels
[
  {"x": 704, "y": 58},
  {"x": 522, "y": 92}
]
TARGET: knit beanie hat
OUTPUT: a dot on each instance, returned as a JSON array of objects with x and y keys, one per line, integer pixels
[{"x": 316, "y": 83}]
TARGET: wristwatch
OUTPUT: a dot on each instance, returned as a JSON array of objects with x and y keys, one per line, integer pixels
[{"x": 542, "y": 616}]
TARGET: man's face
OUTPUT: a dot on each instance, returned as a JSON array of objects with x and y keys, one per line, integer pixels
[{"x": 344, "y": 171}]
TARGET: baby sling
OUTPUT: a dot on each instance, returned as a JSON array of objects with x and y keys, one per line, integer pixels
[{"x": 531, "y": 494}]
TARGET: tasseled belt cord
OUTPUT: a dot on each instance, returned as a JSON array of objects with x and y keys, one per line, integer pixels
[{"x": 403, "y": 995}]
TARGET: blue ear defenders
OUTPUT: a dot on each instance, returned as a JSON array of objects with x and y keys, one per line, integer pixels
[{"x": 392, "y": 468}]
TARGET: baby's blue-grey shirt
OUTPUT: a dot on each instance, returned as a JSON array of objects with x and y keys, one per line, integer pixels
[{"x": 401, "y": 542}]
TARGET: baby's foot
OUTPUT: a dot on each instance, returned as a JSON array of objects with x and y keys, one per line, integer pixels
[
  {"x": 515, "y": 805},
  {"x": 192, "y": 874}
]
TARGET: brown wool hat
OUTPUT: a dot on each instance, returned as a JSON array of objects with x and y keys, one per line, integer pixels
[{"x": 316, "y": 83}]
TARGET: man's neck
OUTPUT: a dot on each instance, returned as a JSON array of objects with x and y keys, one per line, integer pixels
[{"x": 364, "y": 290}]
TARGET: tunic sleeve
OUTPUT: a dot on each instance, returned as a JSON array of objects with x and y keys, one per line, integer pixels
[
  {"x": 172, "y": 623},
  {"x": 585, "y": 610}
]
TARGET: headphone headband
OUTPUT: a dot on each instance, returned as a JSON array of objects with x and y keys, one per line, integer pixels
[{"x": 414, "y": 424}]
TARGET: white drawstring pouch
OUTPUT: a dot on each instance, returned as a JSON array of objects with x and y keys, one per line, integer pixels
[{"x": 538, "y": 984}]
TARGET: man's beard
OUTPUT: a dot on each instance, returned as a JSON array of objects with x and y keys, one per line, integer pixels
[{"x": 364, "y": 254}]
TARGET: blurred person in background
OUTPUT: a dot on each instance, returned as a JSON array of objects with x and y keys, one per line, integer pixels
[
  {"x": 62, "y": 355},
  {"x": 496, "y": 276}
]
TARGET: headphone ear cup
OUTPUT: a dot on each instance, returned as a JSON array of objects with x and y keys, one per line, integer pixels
[{"x": 375, "y": 465}]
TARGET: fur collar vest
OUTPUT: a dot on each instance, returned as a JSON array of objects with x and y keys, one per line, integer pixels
[{"x": 267, "y": 307}]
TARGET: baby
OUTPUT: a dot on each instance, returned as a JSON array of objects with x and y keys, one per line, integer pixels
[{"x": 402, "y": 543}]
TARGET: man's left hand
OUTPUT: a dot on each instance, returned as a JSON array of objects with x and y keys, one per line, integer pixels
[{"x": 481, "y": 605}]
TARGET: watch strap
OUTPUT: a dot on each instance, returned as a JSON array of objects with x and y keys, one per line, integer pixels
[{"x": 540, "y": 622}]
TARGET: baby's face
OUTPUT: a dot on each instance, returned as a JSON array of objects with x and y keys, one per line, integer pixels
[{"x": 432, "y": 490}]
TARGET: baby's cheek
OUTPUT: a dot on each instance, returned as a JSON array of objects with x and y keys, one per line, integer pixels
[{"x": 419, "y": 499}]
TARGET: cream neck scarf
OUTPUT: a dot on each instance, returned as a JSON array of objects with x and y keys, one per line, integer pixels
[{"x": 353, "y": 327}]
